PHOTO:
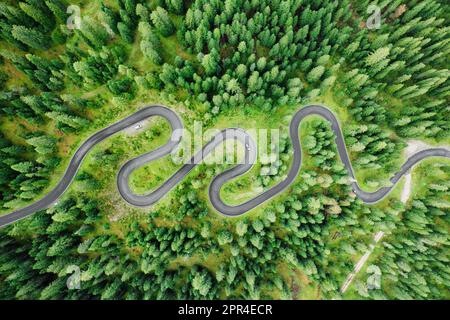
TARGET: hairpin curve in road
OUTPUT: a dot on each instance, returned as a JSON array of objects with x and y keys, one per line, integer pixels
[{"x": 218, "y": 181}]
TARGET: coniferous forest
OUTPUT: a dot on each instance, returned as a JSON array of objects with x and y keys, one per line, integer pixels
[{"x": 71, "y": 68}]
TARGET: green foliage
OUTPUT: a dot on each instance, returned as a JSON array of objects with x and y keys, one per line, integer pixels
[
  {"x": 227, "y": 57},
  {"x": 150, "y": 44},
  {"x": 162, "y": 22},
  {"x": 31, "y": 37}
]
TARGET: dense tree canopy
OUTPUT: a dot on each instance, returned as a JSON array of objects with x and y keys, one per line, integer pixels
[{"x": 213, "y": 61}]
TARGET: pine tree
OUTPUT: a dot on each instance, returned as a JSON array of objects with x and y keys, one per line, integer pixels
[
  {"x": 210, "y": 62},
  {"x": 110, "y": 17},
  {"x": 315, "y": 74},
  {"x": 125, "y": 32},
  {"x": 175, "y": 6},
  {"x": 377, "y": 56},
  {"x": 39, "y": 13},
  {"x": 150, "y": 44},
  {"x": 43, "y": 144},
  {"x": 95, "y": 35},
  {"x": 58, "y": 9},
  {"x": 143, "y": 12},
  {"x": 162, "y": 22},
  {"x": 224, "y": 237},
  {"x": 33, "y": 38}
]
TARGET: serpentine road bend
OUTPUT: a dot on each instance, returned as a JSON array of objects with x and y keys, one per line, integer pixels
[{"x": 218, "y": 181}]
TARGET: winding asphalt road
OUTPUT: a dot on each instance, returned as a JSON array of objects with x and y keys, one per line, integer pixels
[{"x": 218, "y": 181}]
